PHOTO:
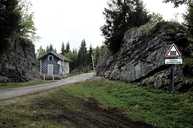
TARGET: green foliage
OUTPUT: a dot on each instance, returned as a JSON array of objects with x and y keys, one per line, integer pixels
[
  {"x": 81, "y": 60},
  {"x": 64, "y": 107},
  {"x": 68, "y": 47},
  {"x": 177, "y": 3},
  {"x": 121, "y": 16},
  {"x": 85, "y": 58},
  {"x": 23, "y": 84},
  {"x": 50, "y": 48},
  {"x": 97, "y": 54},
  {"x": 189, "y": 20},
  {"x": 100, "y": 53},
  {"x": 82, "y": 54},
  {"x": 188, "y": 67},
  {"x": 73, "y": 56},
  {"x": 156, "y": 18},
  {"x": 155, "y": 107},
  {"x": 40, "y": 52},
  {"x": 15, "y": 22},
  {"x": 63, "y": 48},
  {"x": 10, "y": 17},
  {"x": 27, "y": 26},
  {"x": 90, "y": 57}
]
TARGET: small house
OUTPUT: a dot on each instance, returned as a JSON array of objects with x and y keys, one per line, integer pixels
[{"x": 53, "y": 64}]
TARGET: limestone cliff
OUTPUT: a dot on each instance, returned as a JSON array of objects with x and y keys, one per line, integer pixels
[
  {"x": 16, "y": 62},
  {"x": 141, "y": 57}
]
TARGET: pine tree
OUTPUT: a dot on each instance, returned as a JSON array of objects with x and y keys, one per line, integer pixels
[
  {"x": 40, "y": 52},
  {"x": 50, "y": 48},
  {"x": 74, "y": 59},
  {"x": 140, "y": 16},
  {"x": 97, "y": 55},
  {"x": 189, "y": 20},
  {"x": 90, "y": 55},
  {"x": 63, "y": 49},
  {"x": 156, "y": 18},
  {"x": 15, "y": 22},
  {"x": 122, "y": 15},
  {"x": 10, "y": 17},
  {"x": 68, "y": 47},
  {"x": 82, "y": 54},
  {"x": 177, "y": 3}
]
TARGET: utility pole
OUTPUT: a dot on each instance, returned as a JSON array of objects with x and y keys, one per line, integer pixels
[{"x": 93, "y": 65}]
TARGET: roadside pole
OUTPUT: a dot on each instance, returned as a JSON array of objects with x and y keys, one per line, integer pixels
[
  {"x": 172, "y": 78},
  {"x": 93, "y": 64}
]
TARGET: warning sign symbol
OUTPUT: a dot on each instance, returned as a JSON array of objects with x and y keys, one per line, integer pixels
[{"x": 173, "y": 52}]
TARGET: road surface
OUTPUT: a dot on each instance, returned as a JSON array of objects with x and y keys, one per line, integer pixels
[{"x": 6, "y": 94}]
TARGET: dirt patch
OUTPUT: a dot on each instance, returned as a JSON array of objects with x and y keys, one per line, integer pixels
[
  {"x": 87, "y": 114},
  {"x": 63, "y": 111}
]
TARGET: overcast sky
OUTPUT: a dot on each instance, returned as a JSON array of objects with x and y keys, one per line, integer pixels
[{"x": 74, "y": 20}]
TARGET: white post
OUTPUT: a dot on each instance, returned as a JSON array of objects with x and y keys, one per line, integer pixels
[
  {"x": 93, "y": 62},
  {"x": 44, "y": 77},
  {"x": 40, "y": 67}
]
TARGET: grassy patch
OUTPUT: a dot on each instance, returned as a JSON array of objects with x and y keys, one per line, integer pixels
[
  {"x": 58, "y": 109},
  {"x": 141, "y": 104},
  {"x": 23, "y": 84},
  {"x": 188, "y": 61},
  {"x": 100, "y": 104}
]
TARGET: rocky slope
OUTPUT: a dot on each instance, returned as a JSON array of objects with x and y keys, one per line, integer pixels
[
  {"x": 141, "y": 57},
  {"x": 16, "y": 62}
]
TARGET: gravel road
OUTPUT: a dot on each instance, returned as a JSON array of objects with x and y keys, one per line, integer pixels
[{"x": 6, "y": 94}]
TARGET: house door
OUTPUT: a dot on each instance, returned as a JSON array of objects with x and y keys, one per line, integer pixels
[{"x": 50, "y": 69}]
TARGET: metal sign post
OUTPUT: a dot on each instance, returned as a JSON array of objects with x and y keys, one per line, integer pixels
[
  {"x": 173, "y": 57},
  {"x": 172, "y": 78}
]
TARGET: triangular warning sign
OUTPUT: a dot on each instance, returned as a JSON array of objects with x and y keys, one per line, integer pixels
[{"x": 173, "y": 52}]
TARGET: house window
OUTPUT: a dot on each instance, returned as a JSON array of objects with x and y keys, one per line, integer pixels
[{"x": 50, "y": 58}]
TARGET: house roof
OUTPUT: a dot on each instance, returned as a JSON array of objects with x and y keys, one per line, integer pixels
[{"x": 59, "y": 56}]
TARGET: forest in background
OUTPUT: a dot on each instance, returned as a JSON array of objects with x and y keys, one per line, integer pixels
[
  {"x": 121, "y": 16},
  {"x": 83, "y": 59},
  {"x": 16, "y": 23}
]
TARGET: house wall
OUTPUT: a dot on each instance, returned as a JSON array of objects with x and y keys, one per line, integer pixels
[
  {"x": 45, "y": 63},
  {"x": 66, "y": 67},
  {"x": 61, "y": 69}
]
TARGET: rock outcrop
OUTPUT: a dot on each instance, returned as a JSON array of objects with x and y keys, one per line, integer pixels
[
  {"x": 141, "y": 57},
  {"x": 17, "y": 62}
]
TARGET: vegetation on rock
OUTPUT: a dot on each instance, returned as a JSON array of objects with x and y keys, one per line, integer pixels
[
  {"x": 122, "y": 15},
  {"x": 17, "y": 53},
  {"x": 15, "y": 22},
  {"x": 140, "y": 52},
  {"x": 141, "y": 56},
  {"x": 189, "y": 22}
]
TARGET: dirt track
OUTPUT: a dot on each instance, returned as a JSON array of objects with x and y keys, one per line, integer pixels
[
  {"x": 94, "y": 116},
  {"x": 72, "y": 112},
  {"x": 16, "y": 92}
]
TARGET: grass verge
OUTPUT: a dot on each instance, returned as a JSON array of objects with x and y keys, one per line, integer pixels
[
  {"x": 155, "y": 107},
  {"x": 100, "y": 104},
  {"x": 23, "y": 84}
]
